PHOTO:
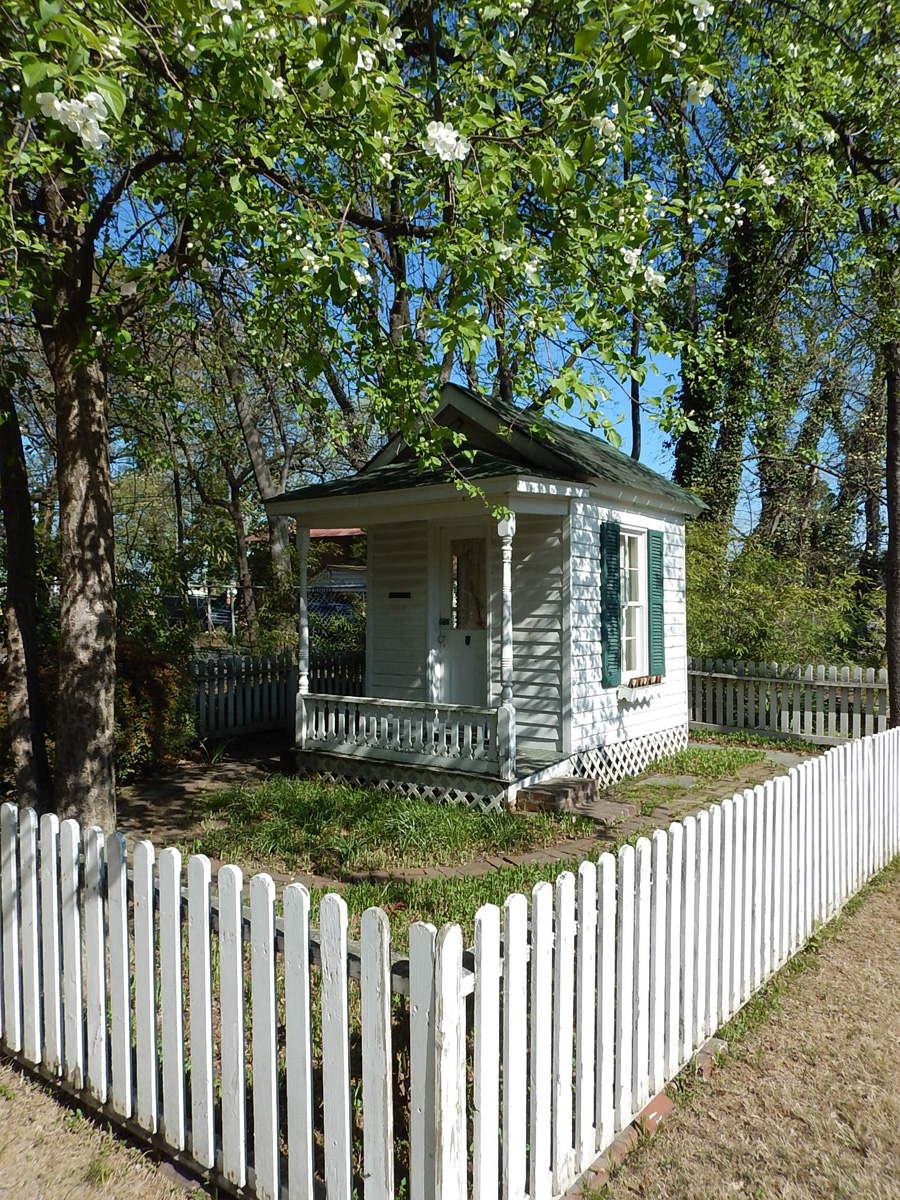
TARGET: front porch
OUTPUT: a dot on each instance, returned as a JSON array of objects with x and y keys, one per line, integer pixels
[{"x": 442, "y": 750}]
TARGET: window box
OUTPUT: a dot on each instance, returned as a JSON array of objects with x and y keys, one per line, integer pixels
[{"x": 640, "y": 691}]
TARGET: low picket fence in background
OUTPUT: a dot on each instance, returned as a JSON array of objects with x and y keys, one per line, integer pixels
[
  {"x": 819, "y": 704},
  {"x": 135, "y": 993},
  {"x": 252, "y": 693}
]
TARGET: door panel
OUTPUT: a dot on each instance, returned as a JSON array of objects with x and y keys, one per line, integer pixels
[{"x": 463, "y": 594}]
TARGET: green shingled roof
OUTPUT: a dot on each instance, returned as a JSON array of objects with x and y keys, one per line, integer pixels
[
  {"x": 587, "y": 453},
  {"x": 406, "y": 473},
  {"x": 583, "y": 457}
]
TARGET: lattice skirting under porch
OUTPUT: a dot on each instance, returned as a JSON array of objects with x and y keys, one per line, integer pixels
[
  {"x": 612, "y": 762},
  {"x": 423, "y": 783}
]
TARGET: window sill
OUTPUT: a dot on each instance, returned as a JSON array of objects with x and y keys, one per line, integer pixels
[{"x": 642, "y": 694}]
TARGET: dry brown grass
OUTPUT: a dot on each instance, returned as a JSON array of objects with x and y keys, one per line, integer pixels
[
  {"x": 808, "y": 1106},
  {"x": 49, "y": 1151}
]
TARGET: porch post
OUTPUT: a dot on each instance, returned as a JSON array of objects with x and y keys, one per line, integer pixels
[
  {"x": 506, "y": 714},
  {"x": 303, "y": 631}
]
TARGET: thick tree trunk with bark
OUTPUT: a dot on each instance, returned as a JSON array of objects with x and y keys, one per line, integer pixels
[
  {"x": 85, "y": 731},
  {"x": 27, "y": 730},
  {"x": 892, "y": 561}
]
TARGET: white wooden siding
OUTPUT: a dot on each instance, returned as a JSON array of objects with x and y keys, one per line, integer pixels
[
  {"x": 397, "y": 631},
  {"x": 597, "y": 715},
  {"x": 538, "y": 642}
]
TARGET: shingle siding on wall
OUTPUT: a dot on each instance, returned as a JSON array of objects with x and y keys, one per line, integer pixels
[
  {"x": 597, "y": 716},
  {"x": 537, "y": 578},
  {"x": 396, "y": 629}
]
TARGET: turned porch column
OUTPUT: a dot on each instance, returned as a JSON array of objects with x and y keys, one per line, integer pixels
[
  {"x": 506, "y": 714},
  {"x": 303, "y": 638}
]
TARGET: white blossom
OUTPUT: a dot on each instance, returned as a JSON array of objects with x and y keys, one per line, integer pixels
[
  {"x": 392, "y": 39},
  {"x": 365, "y": 60},
  {"x": 277, "y": 87},
  {"x": 385, "y": 160},
  {"x": 226, "y": 6},
  {"x": 698, "y": 92},
  {"x": 442, "y": 141},
  {"x": 703, "y": 10},
  {"x": 80, "y": 116},
  {"x": 604, "y": 125},
  {"x": 114, "y": 47},
  {"x": 505, "y": 253},
  {"x": 361, "y": 277},
  {"x": 654, "y": 278},
  {"x": 632, "y": 256},
  {"x": 314, "y": 64},
  {"x": 765, "y": 175},
  {"x": 533, "y": 272}
]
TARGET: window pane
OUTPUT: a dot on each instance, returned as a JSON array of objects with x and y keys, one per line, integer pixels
[{"x": 469, "y": 583}]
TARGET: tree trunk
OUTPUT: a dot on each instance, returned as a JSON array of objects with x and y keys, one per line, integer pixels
[
  {"x": 85, "y": 731},
  {"x": 27, "y": 729},
  {"x": 235, "y": 511},
  {"x": 892, "y": 561}
]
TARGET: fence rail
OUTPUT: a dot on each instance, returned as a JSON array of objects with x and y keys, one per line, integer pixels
[
  {"x": 819, "y": 704},
  {"x": 306, "y": 1069},
  {"x": 248, "y": 694}
]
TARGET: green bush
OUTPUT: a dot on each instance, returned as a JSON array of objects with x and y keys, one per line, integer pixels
[
  {"x": 745, "y": 602},
  {"x": 153, "y": 716}
]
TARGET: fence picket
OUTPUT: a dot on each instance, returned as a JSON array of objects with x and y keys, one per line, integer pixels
[
  {"x": 335, "y": 1047},
  {"x": 421, "y": 1060},
  {"x": 486, "y": 1064},
  {"x": 605, "y": 1111},
  {"x": 541, "y": 1041},
  {"x": 563, "y": 1031},
  {"x": 726, "y": 913},
  {"x": 640, "y": 1061},
  {"x": 377, "y": 1070},
  {"x": 450, "y": 1066},
  {"x": 31, "y": 941},
  {"x": 119, "y": 974},
  {"x": 515, "y": 1046},
  {"x": 625, "y": 987},
  {"x": 95, "y": 962},
  {"x": 586, "y": 999},
  {"x": 230, "y": 887},
  {"x": 768, "y": 811},
  {"x": 51, "y": 948},
  {"x": 701, "y": 927},
  {"x": 147, "y": 1109},
  {"x": 673, "y": 1048},
  {"x": 70, "y": 910},
  {"x": 657, "y": 1064},
  {"x": 203, "y": 1141},
  {"x": 738, "y": 901},
  {"x": 266, "y": 1157},
  {"x": 688, "y": 943},
  {"x": 171, "y": 1002},
  {"x": 9, "y": 907},
  {"x": 713, "y": 917}
]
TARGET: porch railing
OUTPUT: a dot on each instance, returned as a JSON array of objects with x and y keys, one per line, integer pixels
[{"x": 474, "y": 739}]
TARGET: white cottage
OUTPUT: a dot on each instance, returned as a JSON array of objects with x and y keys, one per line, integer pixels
[{"x": 501, "y": 654}]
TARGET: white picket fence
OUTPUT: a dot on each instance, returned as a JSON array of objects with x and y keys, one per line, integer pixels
[
  {"x": 585, "y": 1003},
  {"x": 819, "y": 704},
  {"x": 243, "y": 694}
]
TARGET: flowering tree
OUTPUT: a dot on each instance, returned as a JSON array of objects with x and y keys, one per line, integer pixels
[{"x": 421, "y": 189}]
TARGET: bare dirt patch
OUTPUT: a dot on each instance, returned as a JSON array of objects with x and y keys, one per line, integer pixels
[
  {"x": 809, "y": 1104},
  {"x": 49, "y": 1151}
]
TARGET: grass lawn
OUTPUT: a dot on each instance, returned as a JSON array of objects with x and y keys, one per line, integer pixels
[{"x": 329, "y": 829}]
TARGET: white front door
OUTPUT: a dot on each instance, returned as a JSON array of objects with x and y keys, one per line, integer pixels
[{"x": 460, "y": 653}]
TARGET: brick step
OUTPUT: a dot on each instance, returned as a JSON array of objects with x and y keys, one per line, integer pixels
[{"x": 566, "y": 795}]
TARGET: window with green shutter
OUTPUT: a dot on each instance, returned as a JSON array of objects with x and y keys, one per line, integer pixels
[
  {"x": 632, "y": 609},
  {"x": 656, "y": 630},
  {"x": 610, "y": 605}
]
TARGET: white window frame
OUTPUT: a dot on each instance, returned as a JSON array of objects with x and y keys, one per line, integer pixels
[{"x": 637, "y": 538}]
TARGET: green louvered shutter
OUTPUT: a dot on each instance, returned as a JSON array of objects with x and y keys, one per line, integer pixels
[
  {"x": 610, "y": 605},
  {"x": 657, "y": 630}
]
